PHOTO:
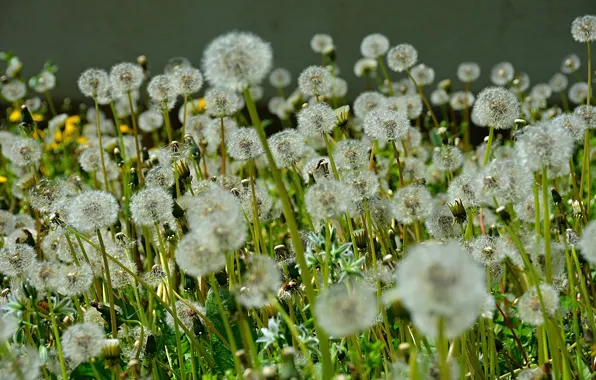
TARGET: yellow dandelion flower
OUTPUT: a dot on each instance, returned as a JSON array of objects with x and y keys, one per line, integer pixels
[
  {"x": 15, "y": 116},
  {"x": 52, "y": 146},
  {"x": 124, "y": 128},
  {"x": 58, "y": 137},
  {"x": 3, "y": 179},
  {"x": 37, "y": 117},
  {"x": 81, "y": 140},
  {"x": 199, "y": 105}
]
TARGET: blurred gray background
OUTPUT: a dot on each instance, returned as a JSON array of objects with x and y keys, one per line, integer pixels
[{"x": 532, "y": 34}]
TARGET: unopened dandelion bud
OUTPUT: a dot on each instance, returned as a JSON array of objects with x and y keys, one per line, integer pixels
[
  {"x": 576, "y": 207},
  {"x": 504, "y": 214},
  {"x": 445, "y": 84},
  {"x": 118, "y": 157},
  {"x": 133, "y": 180},
  {"x": 241, "y": 355},
  {"x": 342, "y": 115},
  {"x": 183, "y": 170},
  {"x": 111, "y": 350},
  {"x": 557, "y": 199},
  {"x": 322, "y": 168},
  {"x": 27, "y": 122},
  {"x": 361, "y": 239},
  {"x": 459, "y": 211}
]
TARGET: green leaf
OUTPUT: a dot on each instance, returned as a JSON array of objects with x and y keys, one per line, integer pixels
[{"x": 222, "y": 356}]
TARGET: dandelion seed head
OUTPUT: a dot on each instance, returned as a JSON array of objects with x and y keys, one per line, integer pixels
[
  {"x": 287, "y": 147},
  {"x": 25, "y": 152},
  {"x": 150, "y": 206},
  {"x": 368, "y": 101},
  {"x": 570, "y": 64},
  {"x": 439, "y": 97},
  {"x": 422, "y": 74},
  {"x": 441, "y": 223},
  {"x": 412, "y": 203},
  {"x": 468, "y": 72},
  {"x": 280, "y": 107},
  {"x": 350, "y": 154},
  {"x": 264, "y": 202},
  {"x": 497, "y": 107},
  {"x": 93, "y": 82},
  {"x": 374, "y": 45},
  {"x": 92, "y": 210},
  {"x": 82, "y": 342},
  {"x": 150, "y": 121},
  {"x": 7, "y": 223},
  {"x": 316, "y": 119},
  {"x": 327, "y": 199},
  {"x": 485, "y": 249},
  {"x": 364, "y": 183},
  {"x": 220, "y": 102},
  {"x": 502, "y": 73},
  {"x": 187, "y": 81},
  {"x": 187, "y": 315},
  {"x": 14, "y": 90},
  {"x": 280, "y": 78},
  {"x": 448, "y": 158},
  {"x": 23, "y": 363},
  {"x": 587, "y": 243},
  {"x": 161, "y": 88},
  {"x": 583, "y": 29},
  {"x": 244, "y": 144},
  {"x": 409, "y": 104},
  {"x": 74, "y": 280},
  {"x": 441, "y": 281},
  {"x": 222, "y": 232},
  {"x": 322, "y": 43},
  {"x": 261, "y": 280},
  {"x": 588, "y": 115},
  {"x": 545, "y": 145},
  {"x": 126, "y": 77},
  {"x": 365, "y": 66},
  {"x": 237, "y": 60},
  {"x": 529, "y": 308},
  {"x": 160, "y": 176},
  {"x": 385, "y": 125},
  {"x": 401, "y": 57},
  {"x": 573, "y": 124},
  {"x": 16, "y": 259},
  {"x": 558, "y": 82},
  {"x": 345, "y": 311},
  {"x": 195, "y": 259},
  {"x": 44, "y": 275},
  {"x": 315, "y": 81},
  {"x": 578, "y": 92}
]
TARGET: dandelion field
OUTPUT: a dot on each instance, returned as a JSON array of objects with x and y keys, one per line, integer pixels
[{"x": 168, "y": 228}]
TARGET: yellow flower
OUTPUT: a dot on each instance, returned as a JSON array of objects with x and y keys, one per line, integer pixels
[
  {"x": 199, "y": 105},
  {"x": 37, "y": 117},
  {"x": 3, "y": 179},
  {"x": 50, "y": 147},
  {"x": 124, "y": 128},
  {"x": 81, "y": 140},
  {"x": 58, "y": 137},
  {"x": 70, "y": 127},
  {"x": 15, "y": 116}
]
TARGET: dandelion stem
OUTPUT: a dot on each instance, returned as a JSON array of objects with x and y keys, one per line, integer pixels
[
  {"x": 426, "y": 103},
  {"x": 136, "y": 133},
  {"x": 101, "y": 152},
  {"x": 57, "y": 337},
  {"x": 547, "y": 249},
  {"x": 491, "y": 133}
]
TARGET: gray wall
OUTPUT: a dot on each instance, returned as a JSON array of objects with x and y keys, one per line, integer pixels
[{"x": 533, "y": 34}]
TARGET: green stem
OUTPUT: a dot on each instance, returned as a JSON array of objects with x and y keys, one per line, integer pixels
[
  {"x": 103, "y": 164},
  {"x": 546, "y": 231},
  {"x": 426, "y": 103},
  {"x": 57, "y": 337},
  {"x": 109, "y": 285},
  {"x": 137, "y": 145},
  {"x": 386, "y": 75},
  {"x": 491, "y": 133}
]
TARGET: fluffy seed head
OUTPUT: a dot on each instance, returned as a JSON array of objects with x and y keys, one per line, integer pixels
[
  {"x": 93, "y": 82},
  {"x": 316, "y": 120},
  {"x": 502, "y": 73},
  {"x": 487, "y": 250},
  {"x": 350, "y": 154},
  {"x": 583, "y": 29},
  {"x": 497, "y": 107},
  {"x": 162, "y": 88},
  {"x": 261, "y": 280},
  {"x": 412, "y": 203},
  {"x": 578, "y": 92},
  {"x": 25, "y": 151},
  {"x": 16, "y": 259},
  {"x": 151, "y": 120},
  {"x": 287, "y": 147},
  {"x": 423, "y": 75},
  {"x": 14, "y": 90},
  {"x": 529, "y": 308},
  {"x": 587, "y": 242},
  {"x": 441, "y": 280},
  {"x": 220, "y": 102},
  {"x": 570, "y": 64},
  {"x": 461, "y": 99},
  {"x": 126, "y": 77},
  {"x": 385, "y": 125},
  {"x": 588, "y": 115},
  {"x": 82, "y": 342},
  {"x": 45, "y": 82},
  {"x": 439, "y": 97},
  {"x": 366, "y": 102},
  {"x": 322, "y": 43},
  {"x": 545, "y": 145},
  {"x": 327, "y": 199},
  {"x": 187, "y": 81},
  {"x": 573, "y": 124},
  {"x": 237, "y": 60},
  {"x": 195, "y": 259},
  {"x": 345, "y": 311},
  {"x": 244, "y": 144},
  {"x": 463, "y": 188},
  {"x": 468, "y": 72},
  {"x": 74, "y": 280},
  {"x": 222, "y": 232},
  {"x": 315, "y": 81},
  {"x": 365, "y": 66},
  {"x": 401, "y": 57},
  {"x": 558, "y": 82},
  {"x": 280, "y": 78},
  {"x": 410, "y": 105},
  {"x": 441, "y": 223},
  {"x": 151, "y": 205},
  {"x": 374, "y": 45},
  {"x": 448, "y": 158},
  {"x": 92, "y": 210}
]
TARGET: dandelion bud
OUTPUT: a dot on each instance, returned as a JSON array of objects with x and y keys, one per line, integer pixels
[
  {"x": 342, "y": 115},
  {"x": 458, "y": 210},
  {"x": 133, "y": 180},
  {"x": 27, "y": 122},
  {"x": 361, "y": 239},
  {"x": 503, "y": 214},
  {"x": 182, "y": 169}
]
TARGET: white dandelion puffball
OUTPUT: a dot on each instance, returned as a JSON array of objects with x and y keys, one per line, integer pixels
[
  {"x": 374, "y": 45},
  {"x": 315, "y": 81},
  {"x": 583, "y": 29},
  {"x": 92, "y": 210},
  {"x": 468, "y": 72},
  {"x": 529, "y": 308},
  {"x": 237, "y": 60},
  {"x": 93, "y": 82},
  {"x": 344, "y": 310},
  {"x": 401, "y": 57},
  {"x": 497, "y": 107},
  {"x": 385, "y": 125},
  {"x": 126, "y": 77},
  {"x": 150, "y": 206},
  {"x": 502, "y": 73},
  {"x": 316, "y": 120},
  {"x": 322, "y": 43}
]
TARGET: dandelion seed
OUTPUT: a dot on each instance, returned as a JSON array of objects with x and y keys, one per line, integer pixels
[
  {"x": 529, "y": 306},
  {"x": 350, "y": 154},
  {"x": 410, "y": 105},
  {"x": 468, "y": 72},
  {"x": 187, "y": 315},
  {"x": 160, "y": 176},
  {"x": 401, "y": 57},
  {"x": 92, "y": 210},
  {"x": 82, "y": 342},
  {"x": 316, "y": 120},
  {"x": 374, "y": 45},
  {"x": 439, "y": 97},
  {"x": 502, "y": 73},
  {"x": 346, "y": 310},
  {"x": 315, "y": 81},
  {"x": 485, "y": 249},
  {"x": 16, "y": 259},
  {"x": 195, "y": 259},
  {"x": 222, "y": 232},
  {"x": 150, "y": 206},
  {"x": 588, "y": 115},
  {"x": 264, "y": 202},
  {"x": 497, "y": 107},
  {"x": 412, "y": 203},
  {"x": 244, "y": 144},
  {"x": 7, "y": 222},
  {"x": 14, "y": 90},
  {"x": 441, "y": 223},
  {"x": 74, "y": 280},
  {"x": 45, "y": 82},
  {"x": 520, "y": 83},
  {"x": 23, "y": 363},
  {"x": 573, "y": 124},
  {"x": 25, "y": 152},
  {"x": 587, "y": 242},
  {"x": 126, "y": 77},
  {"x": 460, "y": 100}
]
